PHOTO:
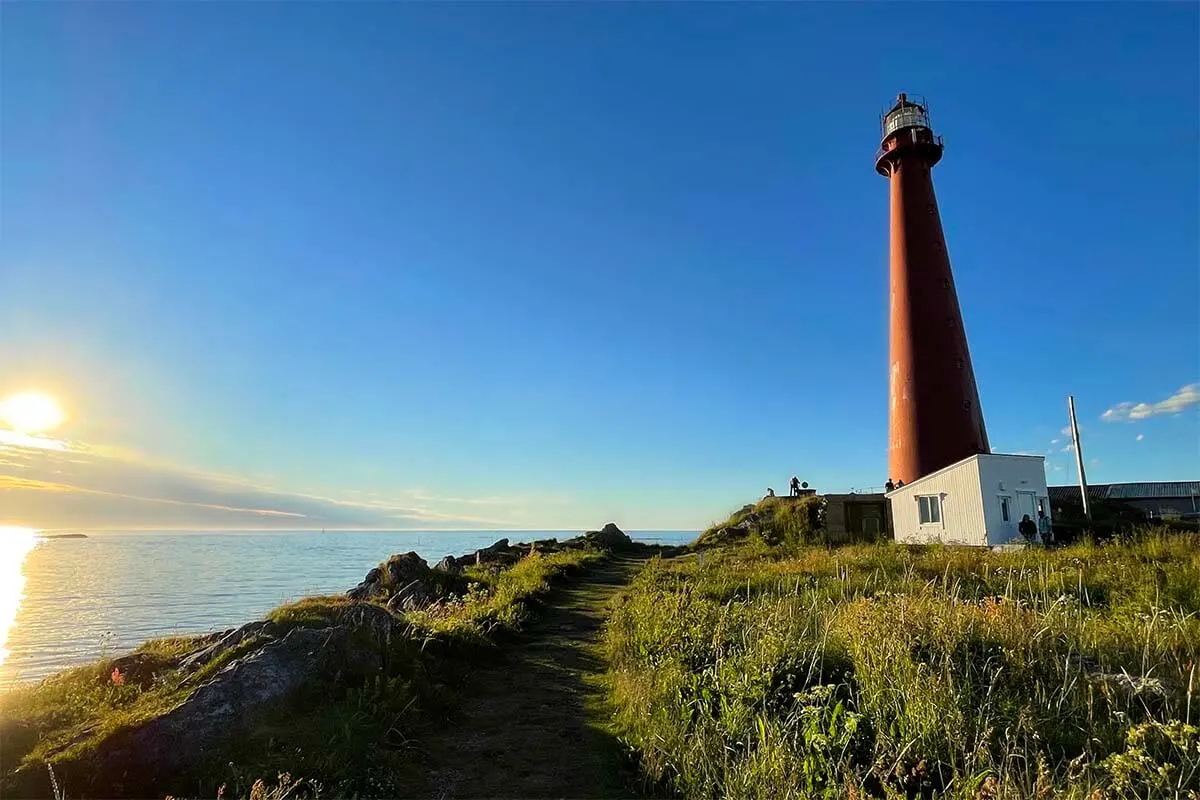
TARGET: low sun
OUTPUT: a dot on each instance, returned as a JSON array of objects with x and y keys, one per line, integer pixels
[{"x": 31, "y": 412}]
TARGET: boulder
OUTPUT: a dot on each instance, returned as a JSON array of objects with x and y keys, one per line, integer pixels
[
  {"x": 404, "y": 569},
  {"x": 399, "y": 570},
  {"x": 610, "y": 537},
  {"x": 448, "y": 564},
  {"x": 492, "y": 553},
  {"x": 132, "y": 761}
]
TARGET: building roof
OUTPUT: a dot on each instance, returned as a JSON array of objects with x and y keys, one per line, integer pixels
[
  {"x": 1126, "y": 491},
  {"x": 960, "y": 462}
]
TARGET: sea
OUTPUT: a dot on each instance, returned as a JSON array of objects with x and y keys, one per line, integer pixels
[{"x": 65, "y": 602}]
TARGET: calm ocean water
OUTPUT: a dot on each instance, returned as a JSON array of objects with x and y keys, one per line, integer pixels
[{"x": 84, "y": 598}]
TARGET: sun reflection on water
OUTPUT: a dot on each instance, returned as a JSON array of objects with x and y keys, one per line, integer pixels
[{"x": 15, "y": 544}]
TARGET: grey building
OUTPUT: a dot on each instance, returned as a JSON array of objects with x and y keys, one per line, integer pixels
[{"x": 1155, "y": 499}]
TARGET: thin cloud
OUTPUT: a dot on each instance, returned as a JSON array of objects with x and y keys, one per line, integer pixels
[
  {"x": 81, "y": 486},
  {"x": 1140, "y": 436},
  {"x": 1185, "y": 398}
]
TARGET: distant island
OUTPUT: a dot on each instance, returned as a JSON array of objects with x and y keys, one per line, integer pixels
[{"x": 63, "y": 536}]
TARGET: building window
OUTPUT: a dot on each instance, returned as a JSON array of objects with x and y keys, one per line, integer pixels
[
  {"x": 1005, "y": 513},
  {"x": 930, "y": 509}
]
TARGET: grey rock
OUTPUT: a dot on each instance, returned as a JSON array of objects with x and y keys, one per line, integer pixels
[
  {"x": 133, "y": 760},
  {"x": 228, "y": 640},
  {"x": 403, "y": 569},
  {"x": 609, "y": 537},
  {"x": 399, "y": 570},
  {"x": 363, "y": 591},
  {"x": 448, "y": 564}
]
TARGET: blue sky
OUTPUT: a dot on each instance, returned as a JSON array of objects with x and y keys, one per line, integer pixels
[{"x": 554, "y": 264}]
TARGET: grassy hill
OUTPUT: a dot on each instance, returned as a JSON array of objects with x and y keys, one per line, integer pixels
[{"x": 760, "y": 670}]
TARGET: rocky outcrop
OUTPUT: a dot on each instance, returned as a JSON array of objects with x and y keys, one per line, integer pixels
[
  {"x": 610, "y": 537},
  {"x": 226, "y": 641},
  {"x": 500, "y": 553},
  {"x": 279, "y": 665},
  {"x": 503, "y": 553},
  {"x": 398, "y": 571}
]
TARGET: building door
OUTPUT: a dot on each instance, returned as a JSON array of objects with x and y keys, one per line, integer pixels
[{"x": 1027, "y": 503}]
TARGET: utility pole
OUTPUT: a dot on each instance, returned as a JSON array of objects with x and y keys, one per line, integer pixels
[{"x": 1083, "y": 490}]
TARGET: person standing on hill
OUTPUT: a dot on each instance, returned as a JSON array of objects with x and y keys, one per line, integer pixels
[
  {"x": 1044, "y": 528},
  {"x": 1028, "y": 528},
  {"x": 795, "y": 486}
]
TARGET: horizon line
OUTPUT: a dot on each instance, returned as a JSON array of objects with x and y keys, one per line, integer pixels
[{"x": 334, "y": 530}]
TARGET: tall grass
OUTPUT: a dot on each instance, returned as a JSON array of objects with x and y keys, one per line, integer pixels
[{"x": 883, "y": 671}]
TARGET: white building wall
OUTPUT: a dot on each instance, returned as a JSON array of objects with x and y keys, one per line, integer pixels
[
  {"x": 1020, "y": 479},
  {"x": 958, "y": 486}
]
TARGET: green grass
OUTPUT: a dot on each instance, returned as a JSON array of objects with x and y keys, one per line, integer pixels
[
  {"x": 500, "y": 598},
  {"x": 349, "y": 738},
  {"x": 885, "y": 671},
  {"x": 64, "y": 716},
  {"x": 771, "y": 521}
]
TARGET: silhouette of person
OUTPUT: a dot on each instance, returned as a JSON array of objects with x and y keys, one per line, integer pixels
[
  {"x": 770, "y": 492},
  {"x": 1028, "y": 528},
  {"x": 889, "y": 486},
  {"x": 795, "y": 486}
]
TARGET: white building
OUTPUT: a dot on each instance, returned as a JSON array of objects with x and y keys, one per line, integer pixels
[{"x": 979, "y": 500}]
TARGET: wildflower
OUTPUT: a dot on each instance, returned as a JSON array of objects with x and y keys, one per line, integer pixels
[{"x": 117, "y": 678}]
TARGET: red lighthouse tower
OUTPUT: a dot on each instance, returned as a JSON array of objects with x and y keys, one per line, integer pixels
[{"x": 934, "y": 415}]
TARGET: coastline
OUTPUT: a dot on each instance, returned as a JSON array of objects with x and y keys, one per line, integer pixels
[{"x": 127, "y": 587}]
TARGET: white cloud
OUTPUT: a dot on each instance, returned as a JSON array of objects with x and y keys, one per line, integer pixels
[
  {"x": 1069, "y": 449},
  {"x": 1054, "y": 441},
  {"x": 1095, "y": 462},
  {"x": 1185, "y": 398},
  {"x": 1140, "y": 436}
]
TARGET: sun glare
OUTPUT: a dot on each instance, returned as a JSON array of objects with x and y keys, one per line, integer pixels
[
  {"x": 31, "y": 412},
  {"x": 15, "y": 544}
]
